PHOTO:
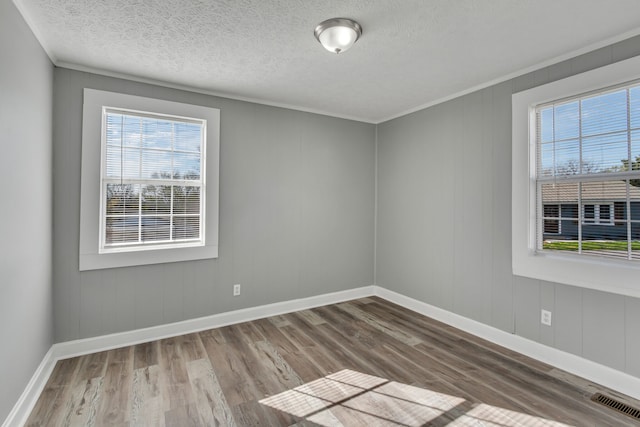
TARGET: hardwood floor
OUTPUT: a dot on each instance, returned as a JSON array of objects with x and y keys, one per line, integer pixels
[{"x": 365, "y": 362}]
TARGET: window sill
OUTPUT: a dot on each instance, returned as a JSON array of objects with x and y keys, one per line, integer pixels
[
  {"x": 602, "y": 274},
  {"x": 94, "y": 261}
]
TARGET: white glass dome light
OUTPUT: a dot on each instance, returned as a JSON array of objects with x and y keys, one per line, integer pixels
[{"x": 337, "y": 35}]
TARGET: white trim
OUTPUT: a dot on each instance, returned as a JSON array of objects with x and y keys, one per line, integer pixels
[
  {"x": 219, "y": 94},
  {"x": 576, "y": 365},
  {"x": 441, "y": 100},
  {"x": 570, "y": 55},
  {"x": 23, "y": 407},
  {"x": 374, "y": 121},
  {"x": 107, "y": 342},
  {"x": 34, "y": 29},
  {"x": 570, "y": 269},
  {"x": 83, "y": 68},
  {"x": 571, "y": 363}
]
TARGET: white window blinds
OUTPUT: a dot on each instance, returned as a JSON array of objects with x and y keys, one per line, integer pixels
[
  {"x": 152, "y": 181},
  {"x": 588, "y": 173}
]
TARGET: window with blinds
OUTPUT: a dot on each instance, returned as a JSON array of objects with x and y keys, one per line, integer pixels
[
  {"x": 588, "y": 174},
  {"x": 152, "y": 181}
]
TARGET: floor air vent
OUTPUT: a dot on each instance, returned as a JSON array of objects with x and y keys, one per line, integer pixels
[{"x": 617, "y": 405}]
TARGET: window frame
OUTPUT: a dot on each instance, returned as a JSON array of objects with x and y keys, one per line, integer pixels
[
  {"x": 91, "y": 256},
  {"x": 105, "y": 180},
  {"x": 527, "y": 261}
]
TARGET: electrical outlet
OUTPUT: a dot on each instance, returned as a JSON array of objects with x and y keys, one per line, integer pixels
[
  {"x": 545, "y": 317},
  {"x": 236, "y": 290}
]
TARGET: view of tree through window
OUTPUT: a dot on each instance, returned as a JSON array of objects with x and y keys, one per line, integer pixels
[
  {"x": 152, "y": 184},
  {"x": 588, "y": 174}
]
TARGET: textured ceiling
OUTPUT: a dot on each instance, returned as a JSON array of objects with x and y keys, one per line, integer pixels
[{"x": 412, "y": 52}]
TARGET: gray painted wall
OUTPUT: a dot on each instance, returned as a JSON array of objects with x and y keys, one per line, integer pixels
[
  {"x": 296, "y": 216},
  {"x": 296, "y": 219},
  {"x": 444, "y": 223},
  {"x": 26, "y": 76}
]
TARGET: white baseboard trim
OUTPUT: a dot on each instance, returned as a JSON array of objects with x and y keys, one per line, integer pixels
[
  {"x": 22, "y": 409},
  {"x": 576, "y": 365},
  {"x": 587, "y": 369},
  {"x": 26, "y": 402},
  {"x": 80, "y": 347}
]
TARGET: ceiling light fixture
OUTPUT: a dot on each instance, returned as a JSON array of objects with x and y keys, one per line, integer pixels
[{"x": 337, "y": 35}]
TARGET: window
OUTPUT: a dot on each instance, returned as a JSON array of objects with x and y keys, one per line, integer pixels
[
  {"x": 551, "y": 219},
  {"x": 588, "y": 149},
  {"x": 588, "y": 214},
  {"x": 149, "y": 181},
  {"x": 576, "y": 180},
  {"x": 598, "y": 214}
]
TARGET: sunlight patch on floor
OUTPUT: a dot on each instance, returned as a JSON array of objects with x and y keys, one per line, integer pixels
[{"x": 349, "y": 398}]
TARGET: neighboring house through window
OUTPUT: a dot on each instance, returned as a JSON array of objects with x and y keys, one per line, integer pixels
[
  {"x": 576, "y": 179},
  {"x": 551, "y": 221},
  {"x": 588, "y": 153},
  {"x": 601, "y": 214}
]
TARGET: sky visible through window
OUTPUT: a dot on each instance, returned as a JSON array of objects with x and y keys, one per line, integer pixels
[
  {"x": 152, "y": 179},
  {"x": 600, "y": 123},
  {"x": 588, "y": 161},
  {"x": 152, "y": 148}
]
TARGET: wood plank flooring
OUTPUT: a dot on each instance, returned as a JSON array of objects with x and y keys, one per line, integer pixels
[{"x": 365, "y": 362}]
